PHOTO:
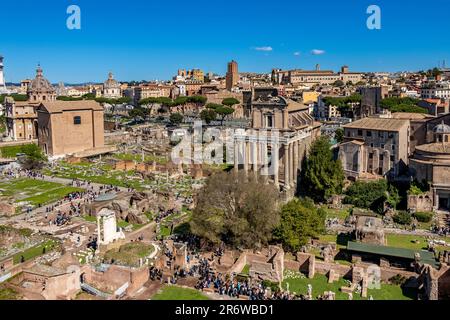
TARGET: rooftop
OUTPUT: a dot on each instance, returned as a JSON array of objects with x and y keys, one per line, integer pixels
[
  {"x": 381, "y": 124},
  {"x": 410, "y": 116},
  {"x": 425, "y": 256},
  {"x": 60, "y": 106}
]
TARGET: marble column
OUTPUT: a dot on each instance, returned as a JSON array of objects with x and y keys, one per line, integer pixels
[
  {"x": 291, "y": 164},
  {"x": 286, "y": 166},
  {"x": 263, "y": 158},
  {"x": 296, "y": 147},
  {"x": 246, "y": 154},
  {"x": 275, "y": 164},
  {"x": 255, "y": 156},
  {"x": 236, "y": 156}
]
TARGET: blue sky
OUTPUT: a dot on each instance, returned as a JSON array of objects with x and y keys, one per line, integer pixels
[{"x": 147, "y": 39}]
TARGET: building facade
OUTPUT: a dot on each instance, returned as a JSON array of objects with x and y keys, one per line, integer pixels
[
  {"x": 280, "y": 136},
  {"x": 312, "y": 77},
  {"x": 435, "y": 90},
  {"x": 431, "y": 161},
  {"x": 21, "y": 117},
  {"x": 375, "y": 147},
  {"x": 70, "y": 127}
]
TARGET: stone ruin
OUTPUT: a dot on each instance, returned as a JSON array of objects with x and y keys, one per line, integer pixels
[
  {"x": 7, "y": 206},
  {"x": 369, "y": 229},
  {"x": 107, "y": 227},
  {"x": 420, "y": 202},
  {"x": 47, "y": 282},
  {"x": 435, "y": 283},
  {"x": 178, "y": 257},
  {"x": 268, "y": 264},
  {"x": 360, "y": 281}
]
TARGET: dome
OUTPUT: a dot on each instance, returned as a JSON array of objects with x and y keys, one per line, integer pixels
[
  {"x": 40, "y": 84},
  {"x": 442, "y": 128},
  {"x": 111, "y": 83}
]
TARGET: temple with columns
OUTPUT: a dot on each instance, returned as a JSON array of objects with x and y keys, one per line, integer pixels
[{"x": 281, "y": 133}]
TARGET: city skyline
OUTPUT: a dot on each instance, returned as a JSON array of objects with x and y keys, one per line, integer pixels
[{"x": 284, "y": 35}]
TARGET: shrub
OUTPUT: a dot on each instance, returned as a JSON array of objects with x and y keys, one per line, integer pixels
[
  {"x": 402, "y": 217},
  {"x": 423, "y": 216},
  {"x": 372, "y": 195}
]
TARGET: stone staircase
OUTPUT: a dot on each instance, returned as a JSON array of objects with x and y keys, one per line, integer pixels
[{"x": 443, "y": 218}]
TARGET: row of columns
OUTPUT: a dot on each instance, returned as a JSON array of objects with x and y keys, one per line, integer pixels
[{"x": 256, "y": 154}]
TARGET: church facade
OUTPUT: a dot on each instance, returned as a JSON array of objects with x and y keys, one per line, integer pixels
[{"x": 21, "y": 116}]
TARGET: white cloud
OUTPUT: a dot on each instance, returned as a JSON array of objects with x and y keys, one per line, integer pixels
[
  {"x": 265, "y": 48},
  {"x": 317, "y": 52},
  {"x": 297, "y": 53}
]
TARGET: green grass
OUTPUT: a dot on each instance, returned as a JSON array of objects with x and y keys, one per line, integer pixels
[
  {"x": 408, "y": 241},
  {"x": 129, "y": 254},
  {"x": 164, "y": 231},
  {"x": 178, "y": 293},
  {"x": 8, "y": 294},
  {"x": 36, "y": 192},
  {"x": 35, "y": 251},
  {"x": 320, "y": 284},
  {"x": 11, "y": 151},
  {"x": 336, "y": 213},
  {"x": 90, "y": 218},
  {"x": 246, "y": 269}
]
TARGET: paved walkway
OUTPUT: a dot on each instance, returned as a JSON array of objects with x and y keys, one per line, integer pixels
[{"x": 96, "y": 187}]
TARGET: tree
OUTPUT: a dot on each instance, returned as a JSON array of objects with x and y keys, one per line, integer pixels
[
  {"x": 223, "y": 112},
  {"x": 396, "y": 104},
  {"x": 238, "y": 209},
  {"x": 137, "y": 112},
  {"x": 402, "y": 217},
  {"x": 180, "y": 101},
  {"x": 372, "y": 195},
  {"x": 176, "y": 118},
  {"x": 230, "y": 102},
  {"x": 201, "y": 100},
  {"x": 300, "y": 220},
  {"x": 323, "y": 176},
  {"x": 34, "y": 157},
  {"x": 15, "y": 96},
  {"x": 339, "y": 135},
  {"x": 208, "y": 115},
  {"x": 338, "y": 83}
]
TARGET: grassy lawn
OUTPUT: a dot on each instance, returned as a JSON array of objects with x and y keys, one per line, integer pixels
[
  {"x": 129, "y": 254},
  {"x": 340, "y": 239},
  {"x": 178, "y": 293},
  {"x": 320, "y": 284},
  {"x": 97, "y": 173},
  {"x": 11, "y": 151},
  {"x": 164, "y": 231},
  {"x": 35, "y": 192},
  {"x": 8, "y": 294},
  {"x": 123, "y": 224},
  {"x": 90, "y": 218},
  {"x": 341, "y": 214},
  {"x": 409, "y": 241},
  {"x": 35, "y": 251}
]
